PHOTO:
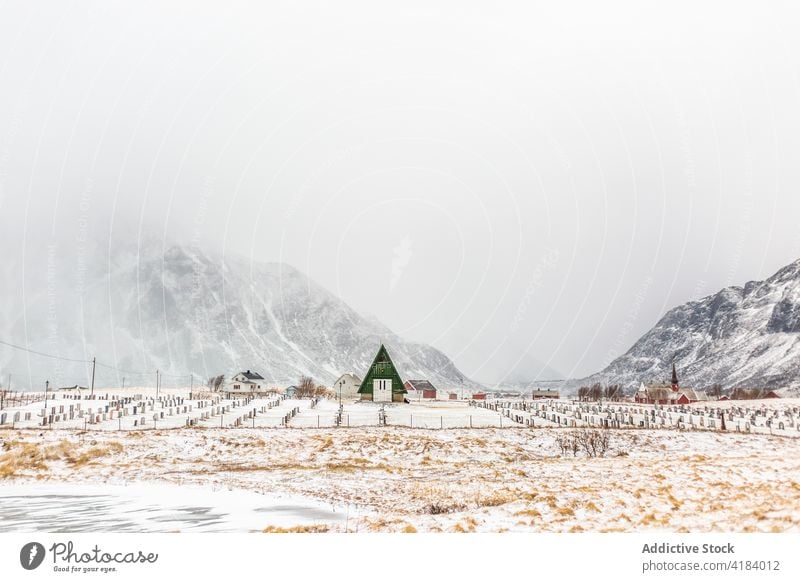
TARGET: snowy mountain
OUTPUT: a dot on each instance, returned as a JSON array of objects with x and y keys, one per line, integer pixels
[
  {"x": 742, "y": 336},
  {"x": 184, "y": 311}
]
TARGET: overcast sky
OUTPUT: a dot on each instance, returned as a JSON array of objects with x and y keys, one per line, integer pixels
[{"x": 520, "y": 186}]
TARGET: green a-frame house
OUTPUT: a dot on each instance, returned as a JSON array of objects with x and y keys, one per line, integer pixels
[{"x": 382, "y": 382}]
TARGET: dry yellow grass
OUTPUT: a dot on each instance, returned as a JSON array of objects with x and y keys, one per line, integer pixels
[
  {"x": 550, "y": 500},
  {"x": 440, "y": 481},
  {"x": 296, "y": 529},
  {"x": 382, "y": 524},
  {"x": 590, "y": 506},
  {"x": 496, "y": 498},
  {"x": 652, "y": 519},
  {"x": 466, "y": 525},
  {"x": 96, "y": 452},
  {"x": 26, "y": 457}
]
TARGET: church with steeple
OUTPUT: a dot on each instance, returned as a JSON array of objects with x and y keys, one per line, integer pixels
[
  {"x": 675, "y": 384},
  {"x": 669, "y": 394}
]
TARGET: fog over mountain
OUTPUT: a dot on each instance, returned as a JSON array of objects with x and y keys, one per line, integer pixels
[
  {"x": 528, "y": 187},
  {"x": 183, "y": 310}
]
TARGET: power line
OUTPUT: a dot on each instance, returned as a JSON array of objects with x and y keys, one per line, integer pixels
[
  {"x": 110, "y": 367},
  {"x": 43, "y": 354}
]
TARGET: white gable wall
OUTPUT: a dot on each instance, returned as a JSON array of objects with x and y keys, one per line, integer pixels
[{"x": 348, "y": 385}]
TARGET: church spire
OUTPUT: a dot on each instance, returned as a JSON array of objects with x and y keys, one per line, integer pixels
[{"x": 674, "y": 376}]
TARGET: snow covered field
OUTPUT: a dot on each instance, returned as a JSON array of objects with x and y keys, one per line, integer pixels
[
  {"x": 397, "y": 479},
  {"x": 137, "y": 409},
  {"x": 771, "y": 417}
]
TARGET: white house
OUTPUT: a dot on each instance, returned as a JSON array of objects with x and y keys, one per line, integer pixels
[
  {"x": 246, "y": 383},
  {"x": 346, "y": 386},
  {"x": 75, "y": 388}
]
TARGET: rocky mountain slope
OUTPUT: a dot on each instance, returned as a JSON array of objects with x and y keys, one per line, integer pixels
[
  {"x": 741, "y": 336},
  {"x": 183, "y": 311}
]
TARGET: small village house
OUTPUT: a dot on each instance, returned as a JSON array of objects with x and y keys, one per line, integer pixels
[
  {"x": 479, "y": 396},
  {"x": 654, "y": 394},
  {"x": 246, "y": 382},
  {"x": 346, "y": 386},
  {"x": 420, "y": 389},
  {"x": 542, "y": 394},
  {"x": 507, "y": 394},
  {"x": 382, "y": 382},
  {"x": 75, "y": 388}
]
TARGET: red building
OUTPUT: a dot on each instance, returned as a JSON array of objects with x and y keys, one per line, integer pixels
[
  {"x": 420, "y": 389},
  {"x": 670, "y": 393}
]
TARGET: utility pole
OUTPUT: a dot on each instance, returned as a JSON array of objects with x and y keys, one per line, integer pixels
[
  {"x": 94, "y": 362},
  {"x": 157, "y": 382},
  {"x": 123, "y": 382},
  {"x": 3, "y": 392},
  {"x": 46, "y": 386}
]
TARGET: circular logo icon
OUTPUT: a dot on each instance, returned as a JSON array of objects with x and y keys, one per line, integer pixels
[{"x": 31, "y": 555}]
